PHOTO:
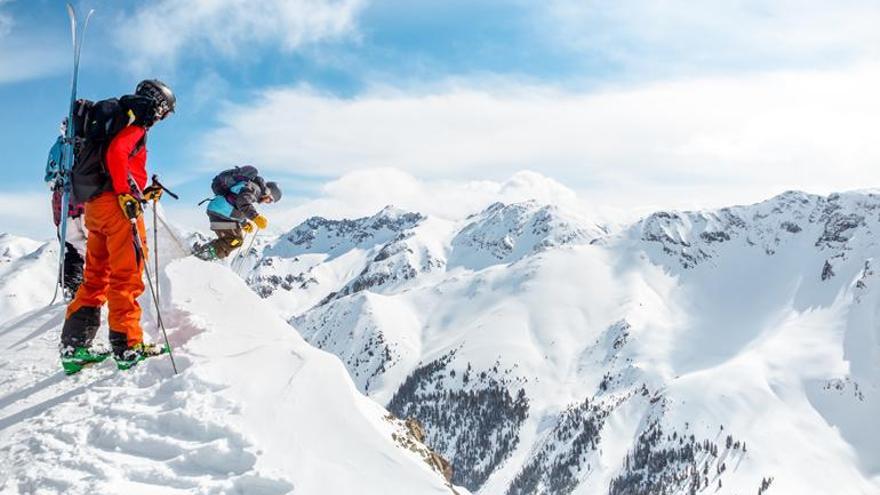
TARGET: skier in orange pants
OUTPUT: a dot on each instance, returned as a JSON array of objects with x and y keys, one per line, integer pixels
[
  {"x": 116, "y": 248},
  {"x": 113, "y": 270}
]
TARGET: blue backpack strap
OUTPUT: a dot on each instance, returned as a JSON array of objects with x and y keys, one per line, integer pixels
[{"x": 234, "y": 190}]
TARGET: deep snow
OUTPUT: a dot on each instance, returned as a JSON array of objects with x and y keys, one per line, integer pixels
[
  {"x": 255, "y": 409},
  {"x": 758, "y": 322},
  {"x": 707, "y": 351}
]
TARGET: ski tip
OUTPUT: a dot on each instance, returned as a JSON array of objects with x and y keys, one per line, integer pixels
[{"x": 71, "y": 10}]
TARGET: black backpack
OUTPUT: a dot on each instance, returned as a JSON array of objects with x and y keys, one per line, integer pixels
[
  {"x": 95, "y": 124},
  {"x": 223, "y": 182}
]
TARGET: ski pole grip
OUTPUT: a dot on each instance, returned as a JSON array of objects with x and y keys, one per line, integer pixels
[{"x": 161, "y": 186}]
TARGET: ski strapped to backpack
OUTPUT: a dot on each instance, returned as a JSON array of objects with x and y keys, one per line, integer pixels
[{"x": 67, "y": 149}]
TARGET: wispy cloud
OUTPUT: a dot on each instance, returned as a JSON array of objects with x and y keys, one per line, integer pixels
[
  {"x": 32, "y": 217},
  {"x": 5, "y": 20},
  {"x": 695, "y": 37},
  {"x": 717, "y": 139},
  {"x": 165, "y": 31},
  {"x": 23, "y": 61},
  {"x": 25, "y": 54},
  {"x": 364, "y": 192}
]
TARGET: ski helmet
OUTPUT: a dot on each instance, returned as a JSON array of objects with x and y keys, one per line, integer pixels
[
  {"x": 160, "y": 93},
  {"x": 274, "y": 191}
]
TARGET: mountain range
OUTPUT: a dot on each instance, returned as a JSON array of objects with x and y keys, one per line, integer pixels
[{"x": 730, "y": 351}]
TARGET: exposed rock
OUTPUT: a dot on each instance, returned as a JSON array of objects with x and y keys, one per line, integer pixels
[
  {"x": 476, "y": 424},
  {"x": 827, "y": 271},
  {"x": 410, "y": 435}
]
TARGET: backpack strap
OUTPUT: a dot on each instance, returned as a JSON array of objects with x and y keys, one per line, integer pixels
[{"x": 139, "y": 146}]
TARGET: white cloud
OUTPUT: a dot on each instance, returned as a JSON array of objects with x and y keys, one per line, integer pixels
[
  {"x": 161, "y": 32},
  {"x": 685, "y": 143},
  {"x": 26, "y": 55},
  {"x": 24, "y": 60},
  {"x": 30, "y": 214},
  {"x": 5, "y": 21},
  {"x": 364, "y": 192},
  {"x": 681, "y": 34}
]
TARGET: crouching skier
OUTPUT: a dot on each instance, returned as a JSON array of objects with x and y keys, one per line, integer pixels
[
  {"x": 232, "y": 211},
  {"x": 109, "y": 175}
]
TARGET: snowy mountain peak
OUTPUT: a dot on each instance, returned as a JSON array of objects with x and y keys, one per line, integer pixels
[
  {"x": 12, "y": 246},
  {"x": 696, "y": 351},
  {"x": 323, "y": 259},
  {"x": 318, "y": 234},
  {"x": 505, "y": 233},
  {"x": 832, "y": 224}
]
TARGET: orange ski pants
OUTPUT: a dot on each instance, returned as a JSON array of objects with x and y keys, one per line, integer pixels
[{"x": 113, "y": 271}]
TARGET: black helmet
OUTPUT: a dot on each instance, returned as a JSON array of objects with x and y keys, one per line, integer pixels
[
  {"x": 160, "y": 93},
  {"x": 274, "y": 191}
]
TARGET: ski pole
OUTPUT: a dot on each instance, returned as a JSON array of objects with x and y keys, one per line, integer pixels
[
  {"x": 136, "y": 238},
  {"x": 239, "y": 256},
  {"x": 180, "y": 244},
  {"x": 158, "y": 184},
  {"x": 156, "y": 252},
  {"x": 243, "y": 254}
]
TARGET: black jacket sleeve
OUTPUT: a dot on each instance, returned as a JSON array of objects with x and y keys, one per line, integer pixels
[{"x": 247, "y": 198}]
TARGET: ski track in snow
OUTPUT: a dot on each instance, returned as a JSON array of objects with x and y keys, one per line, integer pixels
[
  {"x": 254, "y": 410},
  {"x": 104, "y": 431}
]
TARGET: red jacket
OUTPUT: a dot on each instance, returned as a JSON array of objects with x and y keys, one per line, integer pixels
[{"x": 127, "y": 156}]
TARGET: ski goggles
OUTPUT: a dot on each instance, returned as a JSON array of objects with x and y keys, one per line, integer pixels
[{"x": 163, "y": 109}]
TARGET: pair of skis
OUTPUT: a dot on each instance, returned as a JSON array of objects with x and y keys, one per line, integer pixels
[{"x": 77, "y": 34}]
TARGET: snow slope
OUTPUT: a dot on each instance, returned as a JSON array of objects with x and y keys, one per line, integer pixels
[
  {"x": 731, "y": 351},
  {"x": 725, "y": 351},
  {"x": 28, "y": 270},
  {"x": 254, "y": 410}
]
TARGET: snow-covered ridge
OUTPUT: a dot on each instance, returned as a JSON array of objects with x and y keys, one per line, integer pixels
[
  {"x": 834, "y": 224},
  {"x": 708, "y": 351},
  {"x": 333, "y": 237},
  {"x": 321, "y": 260},
  {"x": 507, "y": 233},
  {"x": 12, "y": 247},
  {"x": 255, "y": 409},
  {"x": 28, "y": 270}
]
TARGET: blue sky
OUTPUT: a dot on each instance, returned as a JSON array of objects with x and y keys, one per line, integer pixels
[{"x": 668, "y": 99}]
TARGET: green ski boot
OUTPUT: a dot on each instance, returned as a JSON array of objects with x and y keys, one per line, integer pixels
[
  {"x": 137, "y": 353},
  {"x": 74, "y": 360},
  {"x": 205, "y": 252}
]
